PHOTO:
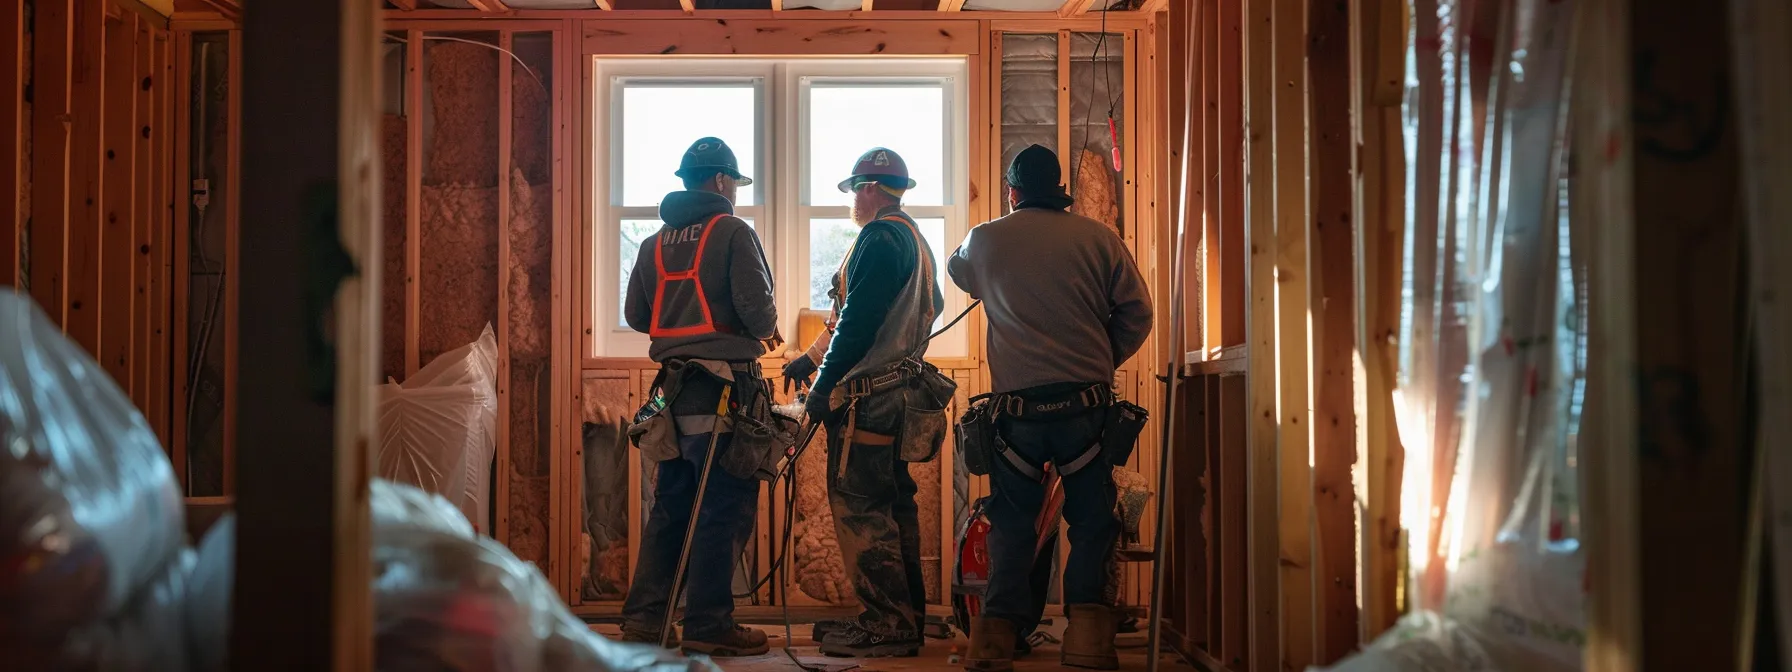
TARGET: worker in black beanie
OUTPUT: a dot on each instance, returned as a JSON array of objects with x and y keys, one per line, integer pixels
[{"x": 1066, "y": 306}]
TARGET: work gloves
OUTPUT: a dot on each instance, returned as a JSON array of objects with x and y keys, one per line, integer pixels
[
  {"x": 817, "y": 405},
  {"x": 799, "y": 372}
]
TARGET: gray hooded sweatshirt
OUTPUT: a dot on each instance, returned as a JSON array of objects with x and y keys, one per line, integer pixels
[{"x": 734, "y": 276}]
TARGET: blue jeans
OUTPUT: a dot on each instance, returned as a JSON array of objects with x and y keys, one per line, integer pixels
[
  {"x": 1013, "y": 510},
  {"x": 730, "y": 506}
]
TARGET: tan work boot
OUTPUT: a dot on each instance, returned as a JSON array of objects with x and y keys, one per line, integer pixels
[
  {"x": 732, "y": 644},
  {"x": 1089, "y": 639},
  {"x": 992, "y": 645}
]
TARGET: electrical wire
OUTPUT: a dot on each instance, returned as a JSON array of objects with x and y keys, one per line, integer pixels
[
  {"x": 519, "y": 60},
  {"x": 1097, "y": 69}
]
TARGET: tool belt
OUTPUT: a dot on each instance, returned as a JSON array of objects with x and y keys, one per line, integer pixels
[
  {"x": 760, "y": 436},
  {"x": 980, "y": 441},
  {"x": 920, "y": 393}
]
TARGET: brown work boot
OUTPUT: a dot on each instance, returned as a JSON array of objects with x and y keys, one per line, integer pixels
[
  {"x": 731, "y": 644},
  {"x": 633, "y": 636},
  {"x": 992, "y": 645},
  {"x": 1089, "y": 639}
]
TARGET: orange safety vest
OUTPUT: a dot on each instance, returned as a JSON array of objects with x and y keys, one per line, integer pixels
[{"x": 707, "y": 325}]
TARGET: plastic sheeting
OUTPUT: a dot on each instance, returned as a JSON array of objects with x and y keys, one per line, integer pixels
[
  {"x": 1492, "y": 383},
  {"x": 438, "y": 430},
  {"x": 446, "y": 599},
  {"x": 91, "y": 521}
]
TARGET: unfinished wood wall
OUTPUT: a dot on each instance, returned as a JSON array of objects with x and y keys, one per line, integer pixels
[
  {"x": 474, "y": 204},
  {"x": 88, "y": 233},
  {"x": 600, "y": 556},
  {"x": 1278, "y": 411}
]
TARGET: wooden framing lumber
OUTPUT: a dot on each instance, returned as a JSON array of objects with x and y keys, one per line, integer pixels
[
  {"x": 413, "y": 210},
  {"x": 865, "y": 5},
  {"x": 178, "y": 259},
  {"x": 1232, "y": 192},
  {"x": 303, "y": 562},
  {"x": 1293, "y": 333},
  {"x": 1761, "y": 31},
  {"x": 80, "y": 259},
  {"x": 1381, "y": 187},
  {"x": 1695, "y": 422},
  {"x": 1603, "y": 190},
  {"x": 403, "y": 5},
  {"x": 1264, "y": 563},
  {"x": 12, "y": 127},
  {"x": 688, "y": 7},
  {"x": 144, "y": 184},
  {"x": 490, "y": 6},
  {"x": 781, "y": 37},
  {"x": 945, "y": 5},
  {"x": 163, "y": 202},
  {"x": 1075, "y": 7},
  {"x": 116, "y": 244},
  {"x": 1333, "y": 292},
  {"x": 506, "y": 116},
  {"x": 233, "y": 263},
  {"x": 1206, "y": 338},
  {"x": 1063, "y": 110}
]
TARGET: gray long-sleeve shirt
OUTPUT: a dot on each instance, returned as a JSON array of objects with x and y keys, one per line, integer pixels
[
  {"x": 1065, "y": 303},
  {"x": 736, "y": 282}
]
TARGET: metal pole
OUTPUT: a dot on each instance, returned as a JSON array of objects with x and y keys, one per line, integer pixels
[
  {"x": 690, "y": 530},
  {"x": 1172, "y": 380}
]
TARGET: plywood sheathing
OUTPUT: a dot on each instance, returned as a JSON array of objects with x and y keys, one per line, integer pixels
[
  {"x": 392, "y": 287},
  {"x": 603, "y": 567},
  {"x": 820, "y": 571},
  {"x": 529, "y": 463},
  {"x": 463, "y": 86},
  {"x": 459, "y": 274}
]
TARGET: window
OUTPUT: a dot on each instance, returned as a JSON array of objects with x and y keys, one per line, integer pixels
[{"x": 797, "y": 127}]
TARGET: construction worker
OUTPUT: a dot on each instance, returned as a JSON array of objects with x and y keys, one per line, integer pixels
[
  {"x": 1065, "y": 306},
  {"x": 701, "y": 289},
  {"x": 886, "y": 297}
]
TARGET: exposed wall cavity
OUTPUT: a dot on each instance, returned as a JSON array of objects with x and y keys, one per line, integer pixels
[{"x": 208, "y": 99}]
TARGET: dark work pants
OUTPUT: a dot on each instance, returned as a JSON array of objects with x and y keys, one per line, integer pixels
[
  {"x": 876, "y": 521},
  {"x": 730, "y": 507},
  {"x": 1013, "y": 510}
]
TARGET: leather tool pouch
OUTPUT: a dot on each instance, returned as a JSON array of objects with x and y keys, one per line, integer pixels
[
  {"x": 760, "y": 436},
  {"x": 925, "y": 397},
  {"x": 976, "y": 435},
  {"x": 653, "y": 430},
  {"x": 1120, "y": 431}
]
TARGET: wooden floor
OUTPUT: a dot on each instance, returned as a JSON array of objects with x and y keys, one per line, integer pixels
[{"x": 937, "y": 656}]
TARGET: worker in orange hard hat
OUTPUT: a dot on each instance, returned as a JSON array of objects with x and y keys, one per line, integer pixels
[{"x": 886, "y": 296}]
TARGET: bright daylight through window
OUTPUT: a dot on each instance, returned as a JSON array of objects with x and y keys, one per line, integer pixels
[{"x": 796, "y": 127}]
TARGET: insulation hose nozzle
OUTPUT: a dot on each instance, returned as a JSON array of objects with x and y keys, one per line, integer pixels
[{"x": 1114, "y": 137}]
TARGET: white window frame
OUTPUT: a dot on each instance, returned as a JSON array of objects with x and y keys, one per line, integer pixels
[{"x": 782, "y": 215}]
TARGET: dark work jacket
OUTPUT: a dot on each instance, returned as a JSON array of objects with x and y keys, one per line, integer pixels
[
  {"x": 734, "y": 276},
  {"x": 878, "y": 270}
]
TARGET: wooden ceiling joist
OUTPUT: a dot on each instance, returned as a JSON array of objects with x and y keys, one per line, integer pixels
[
  {"x": 951, "y": 5},
  {"x": 1153, "y": 6},
  {"x": 229, "y": 9},
  {"x": 865, "y": 6},
  {"x": 1076, "y": 7},
  {"x": 777, "y": 5}
]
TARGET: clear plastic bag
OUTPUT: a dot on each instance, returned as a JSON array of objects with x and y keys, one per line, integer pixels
[
  {"x": 444, "y": 598},
  {"x": 90, "y": 514},
  {"x": 438, "y": 430}
]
